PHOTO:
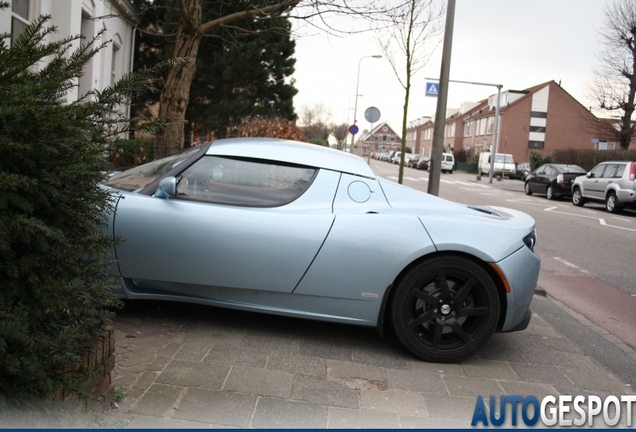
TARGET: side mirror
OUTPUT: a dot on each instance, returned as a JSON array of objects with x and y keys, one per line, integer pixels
[
  {"x": 167, "y": 188},
  {"x": 589, "y": 175}
]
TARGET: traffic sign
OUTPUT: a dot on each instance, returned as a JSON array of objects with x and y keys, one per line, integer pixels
[
  {"x": 372, "y": 114},
  {"x": 432, "y": 89},
  {"x": 353, "y": 129}
]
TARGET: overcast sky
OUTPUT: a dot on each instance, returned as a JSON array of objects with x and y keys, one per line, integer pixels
[{"x": 516, "y": 43}]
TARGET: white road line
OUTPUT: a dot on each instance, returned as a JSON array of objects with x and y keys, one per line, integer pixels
[
  {"x": 411, "y": 178},
  {"x": 569, "y": 264},
  {"x": 621, "y": 219},
  {"x": 423, "y": 178},
  {"x": 550, "y": 209}
]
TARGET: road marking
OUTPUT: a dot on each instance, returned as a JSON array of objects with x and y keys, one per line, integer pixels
[
  {"x": 550, "y": 209},
  {"x": 423, "y": 178},
  {"x": 569, "y": 264},
  {"x": 621, "y": 219}
]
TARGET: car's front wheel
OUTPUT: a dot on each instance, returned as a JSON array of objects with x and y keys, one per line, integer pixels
[
  {"x": 527, "y": 189},
  {"x": 612, "y": 204},
  {"x": 577, "y": 198},
  {"x": 445, "y": 309}
]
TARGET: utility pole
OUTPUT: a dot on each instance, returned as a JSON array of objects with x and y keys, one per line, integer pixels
[{"x": 442, "y": 98}]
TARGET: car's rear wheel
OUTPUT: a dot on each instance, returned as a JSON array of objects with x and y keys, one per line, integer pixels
[
  {"x": 549, "y": 193},
  {"x": 445, "y": 309},
  {"x": 611, "y": 203},
  {"x": 527, "y": 189},
  {"x": 577, "y": 198}
]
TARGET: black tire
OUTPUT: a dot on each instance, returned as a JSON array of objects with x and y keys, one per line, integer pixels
[
  {"x": 577, "y": 198},
  {"x": 445, "y": 309},
  {"x": 526, "y": 189},
  {"x": 549, "y": 193},
  {"x": 612, "y": 204}
]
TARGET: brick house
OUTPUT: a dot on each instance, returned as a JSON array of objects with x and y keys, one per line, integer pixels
[
  {"x": 86, "y": 17},
  {"x": 381, "y": 138},
  {"x": 542, "y": 118}
]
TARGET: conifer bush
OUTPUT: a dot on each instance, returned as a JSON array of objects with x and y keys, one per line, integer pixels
[{"x": 55, "y": 290}]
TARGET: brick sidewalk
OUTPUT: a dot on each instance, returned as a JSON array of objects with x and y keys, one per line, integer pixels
[{"x": 193, "y": 366}]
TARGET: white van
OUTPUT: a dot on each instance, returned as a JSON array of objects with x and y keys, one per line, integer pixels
[
  {"x": 448, "y": 163},
  {"x": 503, "y": 164}
]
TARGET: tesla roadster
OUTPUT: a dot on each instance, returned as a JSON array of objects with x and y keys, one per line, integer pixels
[{"x": 300, "y": 230}]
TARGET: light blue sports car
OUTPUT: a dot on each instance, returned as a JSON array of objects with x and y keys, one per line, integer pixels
[{"x": 300, "y": 230}]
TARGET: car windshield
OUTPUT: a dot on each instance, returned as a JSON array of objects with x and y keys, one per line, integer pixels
[
  {"x": 504, "y": 158},
  {"x": 138, "y": 177},
  {"x": 574, "y": 169}
]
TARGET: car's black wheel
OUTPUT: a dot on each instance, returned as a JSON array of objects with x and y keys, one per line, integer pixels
[
  {"x": 527, "y": 189},
  {"x": 577, "y": 198},
  {"x": 611, "y": 203},
  {"x": 445, "y": 309},
  {"x": 549, "y": 193}
]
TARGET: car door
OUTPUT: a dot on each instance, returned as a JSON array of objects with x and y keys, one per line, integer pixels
[
  {"x": 232, "y": 224},
  {"x": 592, "y": 186},
  {"x": 536, "y": 179}
]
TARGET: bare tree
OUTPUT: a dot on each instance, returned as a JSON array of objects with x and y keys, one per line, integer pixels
[
  {"x": 614, "y": 84},
  {"x": 408, "y": 42}
]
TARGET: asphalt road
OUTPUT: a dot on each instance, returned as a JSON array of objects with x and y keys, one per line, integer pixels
[{"x": 586, "y": 253}]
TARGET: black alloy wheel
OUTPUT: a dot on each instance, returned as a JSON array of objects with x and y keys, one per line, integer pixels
[
  {"x": 549, "y": 193},
  {"x": 445, "y": 309}
]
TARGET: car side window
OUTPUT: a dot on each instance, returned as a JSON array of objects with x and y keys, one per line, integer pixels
[
  {"x": 616, "y": 171},
  {"x": 540, "y": 170},
  {"x": 598, "y": 171},
  {"x": 243, "y": 182}
]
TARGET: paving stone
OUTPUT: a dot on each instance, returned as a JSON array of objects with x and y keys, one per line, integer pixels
[
  {"x": 159, "y": 363},
  {"x": 555, "y": 343},
  {"x": 260, "y": 382},
  {"x": 170, "y": 349},
  {"x": 277, "y": 414},
  {"x": 438, "y": 368},
  {"x": 595, "y": 380},
  {"x": 502, "y": 353},
  {"x": 419, "y": 381},
  {"x": 193, "y": 351},
  {"x": 214, "y": 406},
  {"x": 273, "y": 342},
  {"x": 137, "y": 361},
  {"x": 320, "y": 391},
  {"x": 430, "y": 423},
  {"x": 450, "y": 407},
  {"x": 158, "y": 401},
  {"x": 214, "y": 335},
  {"x": 342, "y": 369},
  {"x": 380, "y": 356},
  {"x": 581, "y": 361},
  {"x": 235, "y": 355},
  {"x": 480, "y": 368},
  {"x": 145, "y": 380},
  {"x": 326, "y": 349},
  {"x": 395, "y": 401},
  {"x": 207, "y": 375},
  {"x": 144, "y": 422},
  {"x": 549, "y": 357},
  {"x": 541, "y": 374},
  {"x": 523, "y": 388},
  {"x": 514, "y": 339},
  {"x": 297, "y": 364},
  {"x": 471, "y": 387},
  {"x": 347, "y": 418}
]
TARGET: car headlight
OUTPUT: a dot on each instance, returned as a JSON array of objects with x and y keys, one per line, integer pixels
[{"x": 531, "y": 240}]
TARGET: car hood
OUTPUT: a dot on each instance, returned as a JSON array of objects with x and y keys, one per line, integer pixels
[{"x": 490, "y": 233}]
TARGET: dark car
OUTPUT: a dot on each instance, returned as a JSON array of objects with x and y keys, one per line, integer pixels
[
  {"x": 412, "y": 163},
  {"x": 521, "y": 172},
  {"x": 553, "y": 180},
  {"x": 422, "y": 164}
]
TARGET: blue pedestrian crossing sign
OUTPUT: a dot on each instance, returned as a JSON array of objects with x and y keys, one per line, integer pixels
[{"x": 432, "y": 89}]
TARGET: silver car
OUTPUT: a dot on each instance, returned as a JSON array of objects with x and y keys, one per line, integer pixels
[
  {"x": 300, "y": 230},
  {"x": 612, "y": 183}
]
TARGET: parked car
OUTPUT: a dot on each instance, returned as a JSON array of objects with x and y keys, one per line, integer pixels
[
  {"x": 412, "y": 163},
  {"x": 422, "y": 164},
  {"x": 521, "y": 171},
  {"x": 553, "y": 180},
  {"x": 612, "y": 183},
  {"x": 502, "y": 165},
  {"x": 323, "y": 238}
]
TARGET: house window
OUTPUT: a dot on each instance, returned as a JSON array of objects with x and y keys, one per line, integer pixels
[
  {"x": 604, "y": 145},
  {"x": 114, "y": 66},
  {"x": 490, "y": 121},
  {"x": 19, "y": 17},
  {"x": 468, "y": 128},
  {"x": 450, "y": 130}
]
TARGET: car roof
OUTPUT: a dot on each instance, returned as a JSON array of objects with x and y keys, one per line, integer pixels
[{"x": 293, "y": 152}]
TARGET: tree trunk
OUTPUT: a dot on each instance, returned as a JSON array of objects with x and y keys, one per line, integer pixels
[{"x": 175, "y": 94}]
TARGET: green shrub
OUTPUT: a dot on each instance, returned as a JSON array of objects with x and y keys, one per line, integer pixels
[
  {"x": 588, "y": 159},
  {"x": 55, "y": 291}
]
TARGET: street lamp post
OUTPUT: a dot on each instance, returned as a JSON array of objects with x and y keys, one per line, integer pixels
[{"x": 355, "y": 107}]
